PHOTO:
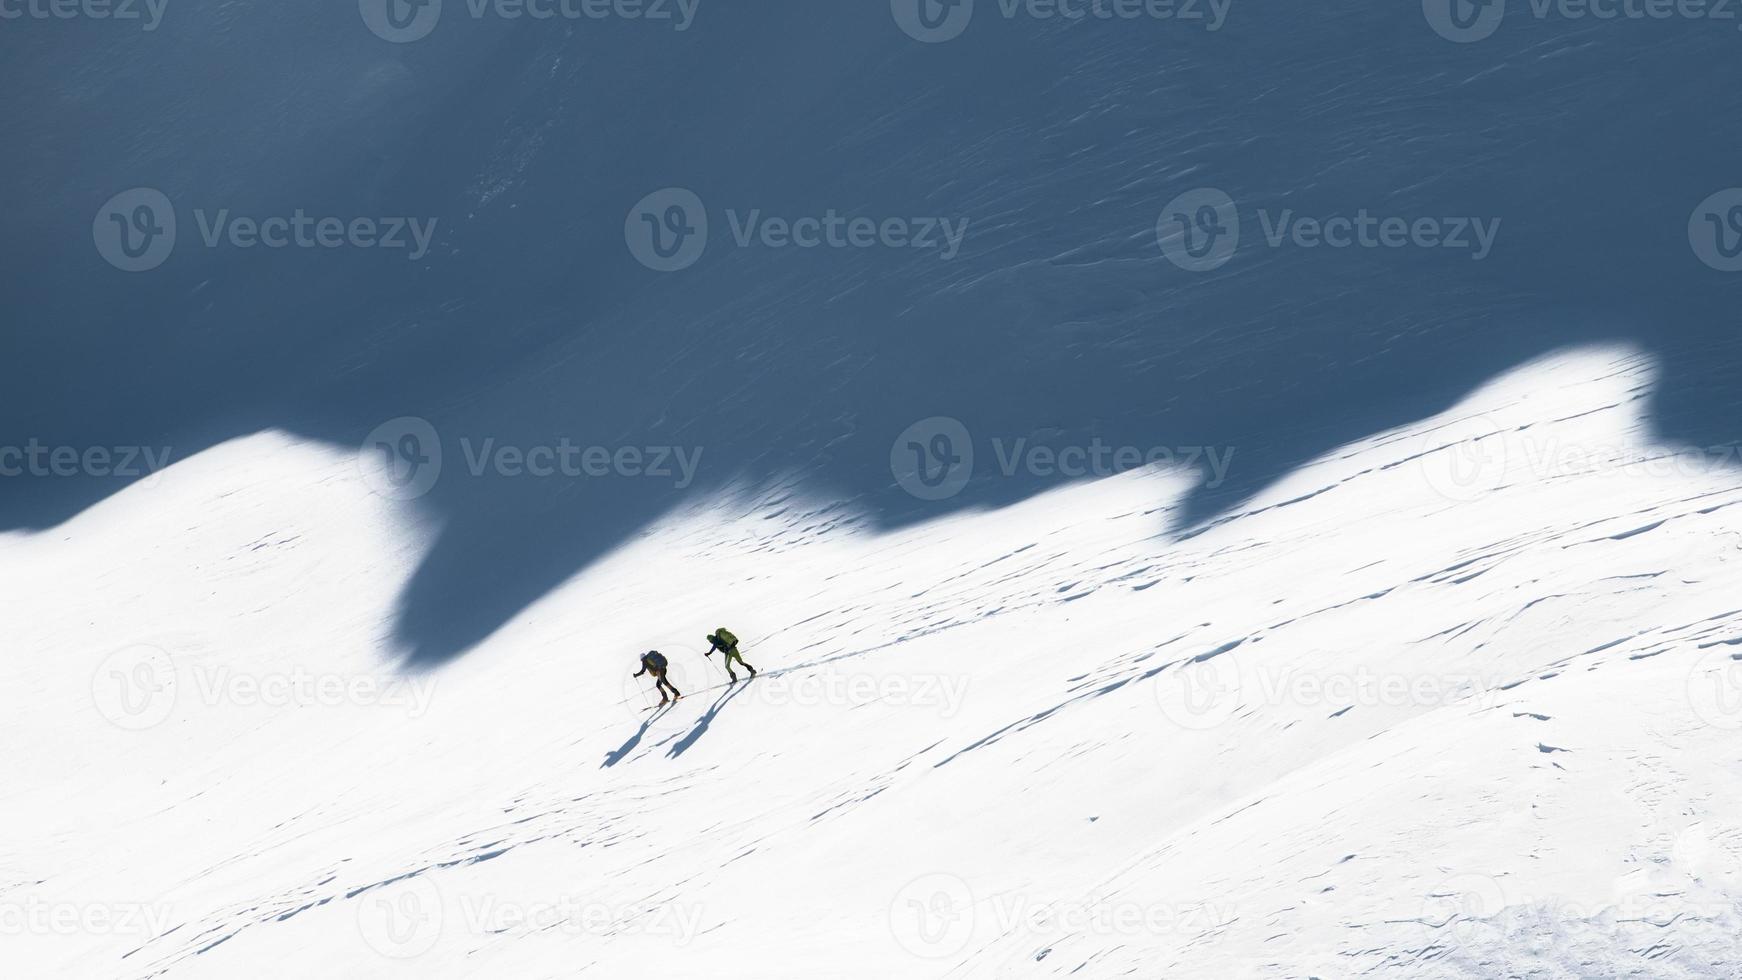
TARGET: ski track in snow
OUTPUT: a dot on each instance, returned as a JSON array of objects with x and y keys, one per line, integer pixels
[{"x": 1064, "y": 707}]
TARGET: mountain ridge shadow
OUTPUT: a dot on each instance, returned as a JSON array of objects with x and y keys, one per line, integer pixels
[{"x": 531, "y": 324}]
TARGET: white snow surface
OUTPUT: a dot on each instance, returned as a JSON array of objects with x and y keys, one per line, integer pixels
[{"x": 1460, "y": 699}]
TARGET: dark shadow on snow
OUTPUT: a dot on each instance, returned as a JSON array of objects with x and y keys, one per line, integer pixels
[
  {"x": 622, "y": 751},
  {"x": 701, "y": 726}
]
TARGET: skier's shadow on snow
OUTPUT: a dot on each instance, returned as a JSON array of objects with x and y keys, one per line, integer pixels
[
  {"x": 702, "y": 723},
  {"x": 622, "y": 751}
]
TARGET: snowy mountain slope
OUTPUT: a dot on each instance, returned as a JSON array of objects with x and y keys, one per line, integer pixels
[
  {"x": 1458, "y": 699},
  {"x": 1055, "y": 142}
]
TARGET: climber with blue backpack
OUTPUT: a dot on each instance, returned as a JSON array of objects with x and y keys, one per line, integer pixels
[{"x": 653, "y": 662}]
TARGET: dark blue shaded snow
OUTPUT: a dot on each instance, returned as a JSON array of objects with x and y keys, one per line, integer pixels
[{"x": 1060, "y": 322}]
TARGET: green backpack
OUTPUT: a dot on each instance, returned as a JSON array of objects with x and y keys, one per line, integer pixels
[{"x": 724, "y": 639}]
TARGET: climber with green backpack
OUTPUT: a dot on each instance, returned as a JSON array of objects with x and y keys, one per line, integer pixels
[{"x": 723, "y": 641}]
